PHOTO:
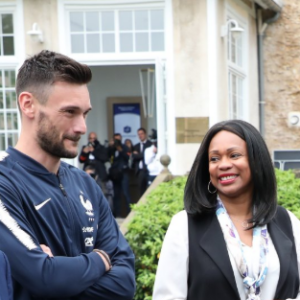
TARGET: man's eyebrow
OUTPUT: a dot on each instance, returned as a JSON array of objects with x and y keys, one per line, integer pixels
[{"x": 75, "y": 108}]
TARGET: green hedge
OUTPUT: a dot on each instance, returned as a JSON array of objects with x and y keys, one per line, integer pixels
[{"x": 147, "y": 229}]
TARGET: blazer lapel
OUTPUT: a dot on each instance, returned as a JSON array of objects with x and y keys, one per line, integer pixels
[
  {"x": 213, "y": 243},
  {"x": 283, "y": 247}
]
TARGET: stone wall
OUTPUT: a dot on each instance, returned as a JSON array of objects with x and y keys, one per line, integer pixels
[{"x": 282, "y": 77}]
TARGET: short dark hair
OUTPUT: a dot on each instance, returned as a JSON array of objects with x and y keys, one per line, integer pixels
[
  {"x": 198, "y": 200},
  {"x": 117, "y": 134},
  {"x": 142, "y": 129},
  {"x": 39, "y": 72}
]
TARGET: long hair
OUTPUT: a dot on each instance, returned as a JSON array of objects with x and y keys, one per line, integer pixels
[
  {"x": 39, "y": 72},
  {"x": 198, "y": 200}
]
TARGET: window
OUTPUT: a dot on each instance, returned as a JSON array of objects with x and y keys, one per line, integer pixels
[
  {"x": 236, "y": 74},
  {"x": 140, "y": 30},
  {"x": 8, "y": 109},
  {"x": 6, "y": 35}
]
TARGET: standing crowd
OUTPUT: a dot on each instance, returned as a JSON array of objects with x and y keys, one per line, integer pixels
[{"x": 110, "y": 166}]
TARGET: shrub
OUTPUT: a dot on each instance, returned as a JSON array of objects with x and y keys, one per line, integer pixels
[
  {"x": 288, "y": 191},
  {"x": 147, "y": 229}
]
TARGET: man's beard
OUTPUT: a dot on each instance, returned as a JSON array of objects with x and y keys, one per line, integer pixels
[{"x": 48, "y": 138}]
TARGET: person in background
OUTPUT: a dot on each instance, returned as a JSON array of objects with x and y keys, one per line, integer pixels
[
  {"x": 118, "y": 173},
  {"x": 232, "y": 241},
  {"x": 152, "y": 160},
  {"x": 6, "y": 288},
  {"x": 129, "y": 145},
  {"x": 106, "y": 186},
  {"x": 95, "y": 154},
  {"x": 57, "y": 229},
  {"x": 139, "y": 162}
]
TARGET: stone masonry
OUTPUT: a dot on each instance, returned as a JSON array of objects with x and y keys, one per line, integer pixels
[{"x": 282, "y": 77}]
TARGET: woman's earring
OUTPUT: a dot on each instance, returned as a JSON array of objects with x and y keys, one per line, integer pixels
[{"x": 211, "y": 192}]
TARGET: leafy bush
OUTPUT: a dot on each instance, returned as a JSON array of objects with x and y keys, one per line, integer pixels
[
  {"x": 147, "y": 229},
  {"x": 288, "y": 191}
]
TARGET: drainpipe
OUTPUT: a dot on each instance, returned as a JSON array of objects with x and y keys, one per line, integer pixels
[{"x": 261, "y": 30}]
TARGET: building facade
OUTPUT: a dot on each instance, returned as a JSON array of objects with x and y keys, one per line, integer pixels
[{"x": 185, "y": 64}]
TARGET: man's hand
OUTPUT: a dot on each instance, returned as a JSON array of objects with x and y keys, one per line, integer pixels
[
  {"x": 86, "y": 149},
  {"x": 46, "y": 249}
]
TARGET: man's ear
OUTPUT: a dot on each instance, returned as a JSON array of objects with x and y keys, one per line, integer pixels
[{"x": 27, "y": 104}]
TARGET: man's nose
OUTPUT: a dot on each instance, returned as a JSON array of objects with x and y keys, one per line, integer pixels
[{"x": 80, "y": 126}]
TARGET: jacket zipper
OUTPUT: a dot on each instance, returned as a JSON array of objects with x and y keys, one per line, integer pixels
[{"x": 62, "y": 189}]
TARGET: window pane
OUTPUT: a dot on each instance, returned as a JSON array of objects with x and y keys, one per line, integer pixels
[
  {"x": 125, "y": 20},
  {"x": 108, "y": 21},
  {"x": 12, "y": 139},
  {"x": 11, "y": 101},
  {"x": 157, "y": 41},
  {"x": 10, "y": 78},
  {"x": 8, "y": 45},
  {"x": 92, "y": 21},
  {"x": 12, "y": 120},
  {"x": 1, "y": 100},
  {"x": 126, "y": 42},
  {"x": 108, "y": 41},
  {"x": 157, "y": 19},
  {"x": 2, "y": 142},
  {"x": 77, "y": 43},
  {"x": 93, "y": 43},
  {"x": 239, "y": 51},
  {"x": 7, "y": 23},
  {"x": 76, "y": 21},
  {"x": 233, "y": 50},
  {"x": 2, "y": 121},
  {"x": 142, "y": 42},
  {"x": 141, "y": 20}
]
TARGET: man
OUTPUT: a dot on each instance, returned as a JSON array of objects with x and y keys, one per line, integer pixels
[
  {"x": 6, "y": 289},
  {"x": 119, "y": 156},
  {"x": 56, "y": 226},
  {"x": 139, "y": 161},
  {"x": 95, "y": 154}
]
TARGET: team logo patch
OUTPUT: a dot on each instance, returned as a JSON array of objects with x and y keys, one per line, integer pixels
[
  {"x": 88, "y": 207},
  {"x": 89, "y": 241}
]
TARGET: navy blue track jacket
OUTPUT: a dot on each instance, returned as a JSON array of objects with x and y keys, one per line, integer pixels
[
  {"x": 6, "y": 289},
  {"x": 68, "y": 213}
]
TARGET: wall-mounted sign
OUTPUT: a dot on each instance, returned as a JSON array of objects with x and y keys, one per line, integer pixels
[
  {"x": 191, "y": 130},
  {"x": 127, "y": 120}
]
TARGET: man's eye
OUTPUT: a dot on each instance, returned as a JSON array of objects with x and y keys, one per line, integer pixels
[{"x": 70, "y": 111}]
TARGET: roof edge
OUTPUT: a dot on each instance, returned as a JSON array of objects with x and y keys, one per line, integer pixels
[{"x": 275, "y": 5}]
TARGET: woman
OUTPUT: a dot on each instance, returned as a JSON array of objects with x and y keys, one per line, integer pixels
[
  {"x": 129, "y": 145},
  {"x": 232, "y": 241}
]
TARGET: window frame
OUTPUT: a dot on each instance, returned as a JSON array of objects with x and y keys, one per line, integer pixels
[
  {"x": 113, "y": 5},
  {"x": 238, "y": 70}
]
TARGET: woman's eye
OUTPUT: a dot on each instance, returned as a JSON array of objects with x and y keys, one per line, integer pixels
[
  {"x": 235, "y": 155},
  {"x": 213, "y": 158}
]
